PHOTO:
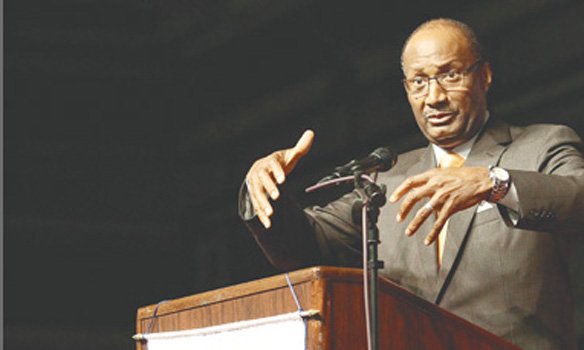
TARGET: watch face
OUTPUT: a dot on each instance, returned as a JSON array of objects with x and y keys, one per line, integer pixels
[{"x": 501, "y": 174}]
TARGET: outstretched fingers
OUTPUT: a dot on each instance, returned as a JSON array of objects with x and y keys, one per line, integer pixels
[
  {"x": 421, "y": 215},
  {"x": 450, "y": 190},
  {"x": 415, "y": 188},
  {"x": 269, "y": 185},
  {"x": 267, "y": 173},
  {"x": 408, "y": 184},
  {"x": 292, "y": 155},
  {"x": 442, "y": 216},
  {"x": 260, "y": 202}
]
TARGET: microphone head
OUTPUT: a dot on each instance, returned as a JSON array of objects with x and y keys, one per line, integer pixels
[{"x": 387, "y": 158}]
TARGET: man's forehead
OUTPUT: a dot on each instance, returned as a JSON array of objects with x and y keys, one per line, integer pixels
[
  {"x": 437, "y": 46},
  {"x": 424, "y": 65}
]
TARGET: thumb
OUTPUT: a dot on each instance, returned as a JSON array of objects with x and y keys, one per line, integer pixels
[{"x": 292, "y": 155}]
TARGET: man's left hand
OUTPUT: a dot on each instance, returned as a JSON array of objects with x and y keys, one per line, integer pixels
[{"x": 449, "y": 190}]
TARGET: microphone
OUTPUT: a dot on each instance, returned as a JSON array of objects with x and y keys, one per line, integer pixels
[{"x": 381, "y": 159}]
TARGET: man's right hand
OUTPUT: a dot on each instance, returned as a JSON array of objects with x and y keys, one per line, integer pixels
[{"x": 267, "y": 173}]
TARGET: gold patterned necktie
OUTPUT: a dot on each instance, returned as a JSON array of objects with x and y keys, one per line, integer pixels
[{"x": 449, "y": 160}]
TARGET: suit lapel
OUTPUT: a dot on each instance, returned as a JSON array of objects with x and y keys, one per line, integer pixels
[{"x": 486, "y": 151}]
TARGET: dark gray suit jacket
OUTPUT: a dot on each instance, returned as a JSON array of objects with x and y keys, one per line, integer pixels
[{"x": 502, "y": 270}]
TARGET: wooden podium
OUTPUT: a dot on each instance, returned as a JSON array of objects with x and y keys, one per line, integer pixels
[{"x": 406, "y": 321}]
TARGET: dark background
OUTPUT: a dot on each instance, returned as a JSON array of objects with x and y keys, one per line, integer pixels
[{"x": 129, "y": 126}]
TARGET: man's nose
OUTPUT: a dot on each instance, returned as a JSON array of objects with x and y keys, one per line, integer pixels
[{"x": 436, "y": 93}]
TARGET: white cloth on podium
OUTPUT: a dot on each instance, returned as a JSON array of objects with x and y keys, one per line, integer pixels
[{"x": 282, "y": 332}]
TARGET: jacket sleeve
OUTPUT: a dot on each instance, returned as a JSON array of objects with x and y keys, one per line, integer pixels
[
  {"x": 305, "y": 237},
  {"x": 551, "y": 194}
]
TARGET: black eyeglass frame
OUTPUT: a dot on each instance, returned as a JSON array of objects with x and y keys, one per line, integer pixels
[{"x": 471, "y": 69}]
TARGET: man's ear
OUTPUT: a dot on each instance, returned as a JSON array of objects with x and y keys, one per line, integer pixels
[{"x": 487, "y": 76}]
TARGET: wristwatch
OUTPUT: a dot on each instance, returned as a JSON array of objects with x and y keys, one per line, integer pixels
[{"x": 501, "y": 183}]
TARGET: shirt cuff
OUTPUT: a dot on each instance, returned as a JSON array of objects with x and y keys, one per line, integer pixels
[
  {"x": 511, "y": 204},
  {"x": 246, "y": 211}
]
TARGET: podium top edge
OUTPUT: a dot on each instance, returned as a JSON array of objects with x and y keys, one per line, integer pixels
[{"x": 251, "y": 287}]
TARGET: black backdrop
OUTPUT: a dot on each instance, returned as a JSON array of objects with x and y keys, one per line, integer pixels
[{"x": 129, "y": 126}]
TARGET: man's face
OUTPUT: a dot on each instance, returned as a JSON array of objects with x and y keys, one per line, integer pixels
[{"x": 447, "y": 118}]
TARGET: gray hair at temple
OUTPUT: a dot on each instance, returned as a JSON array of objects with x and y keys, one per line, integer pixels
[{"x": 476, "y": 46}]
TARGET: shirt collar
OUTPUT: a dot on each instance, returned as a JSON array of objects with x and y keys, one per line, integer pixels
[{"x": 463, "y": 150}]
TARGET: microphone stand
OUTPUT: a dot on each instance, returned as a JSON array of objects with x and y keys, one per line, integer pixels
[{"x": 373, "y": 199}]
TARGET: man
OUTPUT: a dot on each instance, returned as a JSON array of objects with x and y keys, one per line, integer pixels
[{"x": 487, "y": 240}]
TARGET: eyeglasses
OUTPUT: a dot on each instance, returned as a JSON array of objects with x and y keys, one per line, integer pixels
[{"x": 449, "y": 81}]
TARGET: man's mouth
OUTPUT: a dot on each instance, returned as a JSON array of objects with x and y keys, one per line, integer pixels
[{"x": 439, "y": 118}]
